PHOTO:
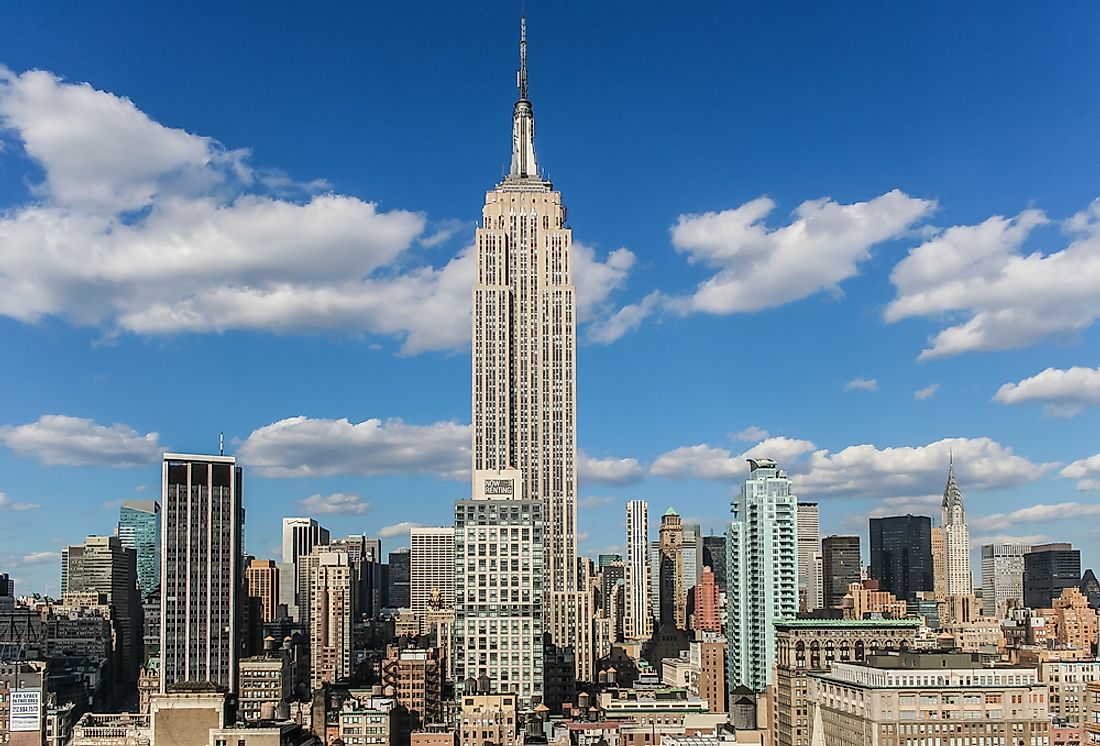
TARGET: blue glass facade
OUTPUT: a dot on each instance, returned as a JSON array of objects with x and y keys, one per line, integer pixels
[{"x": 139, "y": 529}]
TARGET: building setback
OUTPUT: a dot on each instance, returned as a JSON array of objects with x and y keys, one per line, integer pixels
[
  {"x": 956, "y": 539},
  {"x": 901, "y": 554},
  {"x": 524, "y": 331}
]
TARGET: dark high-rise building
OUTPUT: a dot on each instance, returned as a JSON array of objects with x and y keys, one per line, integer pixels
[
  {"x": 397, "y": 590},
  {"x": 840, "y": 567},
  {"x": 1090, "y": 586},
  {"x": 612, "y": 576},
  {"x": 102, "y": 565},
  {"x": 1048, "y": 568},
  {"x": 201, "y": 571},
  {"x": 901, "y": 554},
  {"x": 714, "y": 557}
]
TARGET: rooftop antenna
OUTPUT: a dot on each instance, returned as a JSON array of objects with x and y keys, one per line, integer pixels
[
  {"x": 221, "y": 444},
  {"x": 521, "y": 76}
]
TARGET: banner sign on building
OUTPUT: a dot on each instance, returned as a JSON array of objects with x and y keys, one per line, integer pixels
[{"x": 26, "y": 711}]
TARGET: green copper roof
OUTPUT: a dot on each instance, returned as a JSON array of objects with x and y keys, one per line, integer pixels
[{"x": 670, "y": 511}]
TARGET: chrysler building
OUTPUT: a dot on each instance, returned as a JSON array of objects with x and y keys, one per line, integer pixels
[
  {"x": 524, "y": 361},
  {"x": 956, "y": 537}
]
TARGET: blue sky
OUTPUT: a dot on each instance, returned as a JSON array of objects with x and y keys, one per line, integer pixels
[{"x": 789, "y": 220}]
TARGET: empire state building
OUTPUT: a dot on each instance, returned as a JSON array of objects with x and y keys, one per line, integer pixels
[{"x": 524, "y": 360}]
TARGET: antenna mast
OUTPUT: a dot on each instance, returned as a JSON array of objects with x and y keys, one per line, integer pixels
[{"x": 521, "y": 76}]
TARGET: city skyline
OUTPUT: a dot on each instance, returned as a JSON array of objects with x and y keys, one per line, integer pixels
[{"x": 83, "y": 428}]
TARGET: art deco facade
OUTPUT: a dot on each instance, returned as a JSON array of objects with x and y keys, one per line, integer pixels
[
  {"x": 956, "y": 539},
  {"x": 201, "y": 573},
  {"x": 524, "y": 349},
  {"x": 762, "y": 568}
]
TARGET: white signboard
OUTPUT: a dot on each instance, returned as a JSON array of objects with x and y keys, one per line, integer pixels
[{"x": 26, "y": 710}]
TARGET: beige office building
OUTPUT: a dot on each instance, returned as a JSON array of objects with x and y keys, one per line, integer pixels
[
  {"x": 928, "y": 699},
  {"x": 262, "y": 582},
  {"x": 807, "y": 645},
  {"x": 331, "y": 616}
]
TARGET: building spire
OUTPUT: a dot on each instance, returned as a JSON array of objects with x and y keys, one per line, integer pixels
[
  {"x": 521, "y": 76},
  {"x": 524, "y": 165}
]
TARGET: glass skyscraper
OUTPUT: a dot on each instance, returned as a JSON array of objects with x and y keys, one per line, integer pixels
[{"x": 139, "y": 529}]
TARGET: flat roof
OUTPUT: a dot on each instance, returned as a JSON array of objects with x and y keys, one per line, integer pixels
[
  {"x": 200, "y": 457},
  {"x": 852, "y": 623}
]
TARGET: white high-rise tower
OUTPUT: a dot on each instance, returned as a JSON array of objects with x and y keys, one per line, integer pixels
[
  {"x": 524, "y": 355},
  {"x": 956, "y": 538},
  {"x": 637, "y": 619},
  {"x": 761, "y": 572}
]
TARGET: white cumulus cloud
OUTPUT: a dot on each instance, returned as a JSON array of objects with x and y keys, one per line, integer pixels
[
  {"x": 1086, "y": 471},
  {"x": 1034, "y": 514},
  {"x": 705, "y": 461},
  {"x": 303, "y": 446},
  {"x": 336, "y": 502},
  {"x": 608, "y": 470},
  {"x": 861, "y": 384},
  {"x": 142, "y": 228},
  {"x": 397, "y": 529},
  {"x": 751, "y": 433},
  {"x": 927, "y": 392},
  {"x": 869, "y": 471},
  {"x": 56, "y": 439},
  {"x": 759, "y": 267},
  {"x": 994, "y": 296},
  {"x": 1063, "y": 393}
]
